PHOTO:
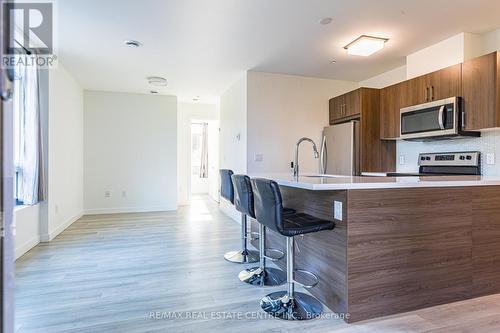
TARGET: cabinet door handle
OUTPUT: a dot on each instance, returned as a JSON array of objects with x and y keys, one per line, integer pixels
[
  {"x": 432, "y": 93},
  {"x": 426, "y": 94}
]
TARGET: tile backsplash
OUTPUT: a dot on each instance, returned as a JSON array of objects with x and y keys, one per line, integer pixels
[{"x": 488, "y": 143}]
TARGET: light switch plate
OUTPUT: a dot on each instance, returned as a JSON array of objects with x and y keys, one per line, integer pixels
[
  {"x": 258, "y": 157},
  {"x": 337, "y": 210},
  {"x": 401, "y": 159},
  {"x": 490, "y": 159}
]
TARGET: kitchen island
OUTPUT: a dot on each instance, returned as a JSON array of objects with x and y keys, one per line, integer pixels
[{"x": 399, "y": 244}]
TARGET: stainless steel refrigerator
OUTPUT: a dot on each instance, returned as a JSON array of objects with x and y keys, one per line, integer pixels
[{"x": 340, "y": 150}]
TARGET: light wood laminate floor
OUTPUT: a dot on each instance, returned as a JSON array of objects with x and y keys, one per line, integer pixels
[{"x": 108, "y": 273}]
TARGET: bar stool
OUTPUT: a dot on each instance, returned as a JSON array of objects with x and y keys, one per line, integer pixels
[
  {"x": 287, "y": 305},
  {"x": 243, "y": 256},
  {"x": 261, "y": 275}
]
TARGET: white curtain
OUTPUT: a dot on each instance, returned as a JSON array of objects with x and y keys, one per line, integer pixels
[{"x": 28, "y": 137}]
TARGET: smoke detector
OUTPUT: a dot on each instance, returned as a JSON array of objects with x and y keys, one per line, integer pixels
[
  {"x": 132, "y": 43},
  {"x": 157, "y": 81}
]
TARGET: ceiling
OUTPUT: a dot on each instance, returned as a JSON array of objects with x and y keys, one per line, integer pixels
[{"x": 203, "y": 46}]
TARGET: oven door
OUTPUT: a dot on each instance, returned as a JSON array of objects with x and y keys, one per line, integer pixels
[{"x": 439, "y": 118}]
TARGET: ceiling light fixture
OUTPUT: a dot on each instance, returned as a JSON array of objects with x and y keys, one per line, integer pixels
[
  {"x": 153, "y": 92},
  {"x": 333, "y": 62},
  {"x": 325, "y": 20},
  {"x": 365, "y": 45},
  {"x": 157, "y": 81},
  {"x": 132, "y": 43}
]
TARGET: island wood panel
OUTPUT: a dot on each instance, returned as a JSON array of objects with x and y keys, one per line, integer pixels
[
  {"x": 486, "y": 240},
  {"x": 323, "y": 253},
  {"x": 397, "y": 250},
  {"x": 408, "y": 249}
]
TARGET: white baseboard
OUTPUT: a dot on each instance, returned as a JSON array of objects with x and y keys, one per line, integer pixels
[
  {"x": 23, "y": 248},
  {"x": 53, "y": 234},
  {"x": 98, "y": 211}
]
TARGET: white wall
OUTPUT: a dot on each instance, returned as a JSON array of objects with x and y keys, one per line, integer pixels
[
  {"x": 233, "y": 134},
  {"x": 491, "y": 41},
  {"x": 65, "y": 169},
  {"x": 281, "y": 110},
  {"x": 27, "y": 235},
  {"x": 385, "y": 79},
  {"x": 448, "y": 52},
  {"x": 186, "y": 113},
  {"x": 61, "y": 108},
  {"x": 130, "y": 143},
  {"x": 233, "y": 127}
]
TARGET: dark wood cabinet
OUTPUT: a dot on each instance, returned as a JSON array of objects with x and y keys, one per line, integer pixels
[
  {"x": 344, "y": 107},
  {"x": 352, "y": 103},
  {"x": 364, "y": 105},
  {"x": 390, "y": 103},
  {"x": 432, "y": 87},
  {"x": 481, "y": 92},
  {"x": 445, "y": 83}
]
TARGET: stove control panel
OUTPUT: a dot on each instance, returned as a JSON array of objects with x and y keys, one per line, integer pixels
[{"x": 450, "y": 159}]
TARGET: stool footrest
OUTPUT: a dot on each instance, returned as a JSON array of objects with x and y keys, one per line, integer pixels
[
  {"x": 280, "y": 255},
  {"x": 312, "y": 275},
  {"x": 252, "y": 236}
]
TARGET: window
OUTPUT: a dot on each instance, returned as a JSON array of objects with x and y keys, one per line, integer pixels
[{"x": 26, "y": 134}]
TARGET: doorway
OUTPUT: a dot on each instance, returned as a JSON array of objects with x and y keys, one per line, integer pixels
[{"x": 204, "y": 158}]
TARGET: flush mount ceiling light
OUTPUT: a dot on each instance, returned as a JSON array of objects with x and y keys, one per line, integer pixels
[
  {"x": 132, "y": 43},
  {"x": 365, "y": 45},
  {"x": 157, "y": 81}
]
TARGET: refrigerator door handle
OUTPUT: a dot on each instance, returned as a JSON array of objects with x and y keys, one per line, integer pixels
[{"x": 323, "y": 156}]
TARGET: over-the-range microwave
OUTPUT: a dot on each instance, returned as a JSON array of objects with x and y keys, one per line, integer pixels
[{"x": 433, "y": 121}]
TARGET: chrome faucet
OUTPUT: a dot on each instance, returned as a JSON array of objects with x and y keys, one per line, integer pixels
[{"x": 296, "y": 160}]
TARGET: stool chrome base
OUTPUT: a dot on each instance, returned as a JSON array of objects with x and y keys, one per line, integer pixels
[
  {"x": 268, "y": 277},
  {"x": 302, "y": 307},
  {"x": 239, "y": 257}
]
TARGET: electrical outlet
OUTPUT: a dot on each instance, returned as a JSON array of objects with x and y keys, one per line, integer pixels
[
  {"x": 258, "y": 157},
  {"x": 337, "y": 210},
  {"x": 56, "y": 209},
  {"x": 490, "y": 158},
  {"x": 124, "y": 194},
  {"x": 107, "y": 194},
  {"x": 402, "y": 160}
]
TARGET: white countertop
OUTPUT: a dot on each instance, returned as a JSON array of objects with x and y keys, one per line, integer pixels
[{"x": 331, "y": 182}]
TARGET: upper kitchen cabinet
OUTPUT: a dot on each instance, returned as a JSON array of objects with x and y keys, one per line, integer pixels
[
  {"x": 432, "y": 87},
  {"x": 390, "y": 104},
  {"x": 481, "y": 92},
  {"x": 345, "y": 107},
  {"x": 445, "y": 83}
]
